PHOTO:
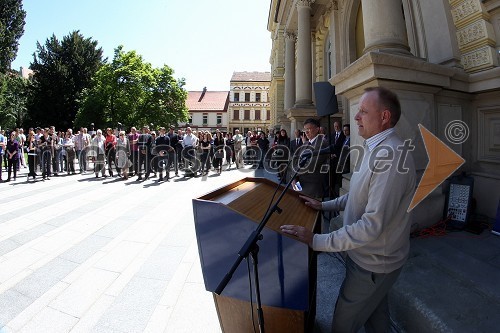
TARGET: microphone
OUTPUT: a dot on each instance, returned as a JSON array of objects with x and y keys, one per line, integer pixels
[
  {"x": 309, "y": 153},
  {"x": 306, "y": 155}
]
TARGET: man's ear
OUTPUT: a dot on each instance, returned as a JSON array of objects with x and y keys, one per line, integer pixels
[{"x": 386, "y": 117}]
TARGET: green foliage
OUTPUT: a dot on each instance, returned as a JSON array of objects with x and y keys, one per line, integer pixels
[
  {"x": 13, "y": 96},
  {"x": 11, "y": 29},
  {"x": 131, "y": 92},
  {"x": 63, "y": 69}
]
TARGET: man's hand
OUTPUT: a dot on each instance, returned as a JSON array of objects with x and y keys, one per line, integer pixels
[
  {"x": 313, "y": 203},
  {"x": 302, "y": 234}
]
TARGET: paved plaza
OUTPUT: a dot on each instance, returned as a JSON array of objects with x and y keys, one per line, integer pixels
[{"x": 82, "y": 254}]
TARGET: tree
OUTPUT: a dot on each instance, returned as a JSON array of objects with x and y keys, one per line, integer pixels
[
  {"x": 63, "y": 69},
  {"x": 13, "y": 96},
  {"x": 129, "y": 91},
  {"x": 11, "y": 29}
]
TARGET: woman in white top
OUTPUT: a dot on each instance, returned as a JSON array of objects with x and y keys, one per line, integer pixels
[
  {"x": 69, "y": 149},
  {"x": 98, "y": 148},
  {"x": 122, "y": 155}
]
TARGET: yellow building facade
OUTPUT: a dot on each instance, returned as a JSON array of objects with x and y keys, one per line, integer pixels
[
  {"x": 441, "y": 57},
  {"x": 249, "y": 105}
]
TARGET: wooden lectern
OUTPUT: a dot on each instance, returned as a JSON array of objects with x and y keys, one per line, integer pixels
[{"x": 224, "y": 219}]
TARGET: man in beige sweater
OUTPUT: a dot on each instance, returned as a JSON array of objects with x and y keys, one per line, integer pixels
[{"x": 376, "y": 227}]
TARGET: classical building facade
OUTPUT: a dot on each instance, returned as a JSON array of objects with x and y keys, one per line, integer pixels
[
  {"x": 249, "y": 106},
  {"x": 441, "y": 57},
  {"x": 207, "y": 110}
]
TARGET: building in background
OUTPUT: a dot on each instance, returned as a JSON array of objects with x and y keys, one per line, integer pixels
[
  {"x": 207, "y": 110},
  {"x": 440, "y": 57},
  {"x": 26, "y": 73},
  {"x": 249, "y": 107}
]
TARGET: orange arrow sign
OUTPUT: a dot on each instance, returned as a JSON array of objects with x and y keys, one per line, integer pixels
[{"x": 443, "y": 161}]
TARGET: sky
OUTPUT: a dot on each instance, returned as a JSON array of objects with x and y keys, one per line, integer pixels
[{"x": 203, "y": 41}]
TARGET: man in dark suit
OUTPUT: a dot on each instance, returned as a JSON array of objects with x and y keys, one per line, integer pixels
[
  {"x": 338, "y": 138},
  {"x": 296, "y": 142},
  {"x": 174, "y": 143},
  {"x": 344, "y": 164},
  {"x": 145, "y": 143},
  {"x": 313, "y": 176},
  {"x": 163, "y": 158}
]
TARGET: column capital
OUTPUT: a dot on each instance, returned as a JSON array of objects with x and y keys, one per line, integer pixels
[
  {"x": 305, "y": 3},
  {"x": 290, "y": 36},
  {"x": 330, "y": 7}
]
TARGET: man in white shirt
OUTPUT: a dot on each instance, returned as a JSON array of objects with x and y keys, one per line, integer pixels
[
  {"x": 98, "y": 149},
  {"x": 189, "y": 144},
  {"x": 21, "y": 138},
  {"x": 78, "y": 141},
  {"x": 238, "y": 148},
  {"x": 376, "y": 227}
]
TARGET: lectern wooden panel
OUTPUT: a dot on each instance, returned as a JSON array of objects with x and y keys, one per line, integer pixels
[{"x": 224, "y": 219}]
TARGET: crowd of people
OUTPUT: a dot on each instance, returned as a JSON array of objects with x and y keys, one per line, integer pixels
[
  {"x": 145, "y": 153},
  {"x": 375, "y": 234}
]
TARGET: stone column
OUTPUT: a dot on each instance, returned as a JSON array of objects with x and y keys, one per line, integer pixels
[
  {"x": 384, "y": 26},
  {"x": 289, "y": 70},
  {"x": 304, "y": 56}
]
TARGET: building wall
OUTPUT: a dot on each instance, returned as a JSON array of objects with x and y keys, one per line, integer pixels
[
  {"x": 444, "y": 67},
  {"x": 262, "y": 106},
  {"x": 211, "y": 124}
]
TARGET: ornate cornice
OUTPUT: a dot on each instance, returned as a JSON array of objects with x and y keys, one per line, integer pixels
[{"x": 475, "y": 35}]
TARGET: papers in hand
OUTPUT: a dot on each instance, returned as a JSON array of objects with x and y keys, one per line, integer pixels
[{"x": 297, "y": 187}]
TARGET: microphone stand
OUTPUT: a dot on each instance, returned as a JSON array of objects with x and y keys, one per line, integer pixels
[{"x": 250, "y": 246}]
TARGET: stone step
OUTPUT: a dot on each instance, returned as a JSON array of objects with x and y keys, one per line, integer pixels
[{"x": 449, "y": 284}]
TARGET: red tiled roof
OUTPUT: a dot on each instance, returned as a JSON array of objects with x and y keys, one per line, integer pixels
[
  {"x": 211, "y": 101},
  {"x": 251, "y": 76}
]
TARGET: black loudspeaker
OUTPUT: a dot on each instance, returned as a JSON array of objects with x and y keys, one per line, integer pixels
[{"x": 326, "y": 100}]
